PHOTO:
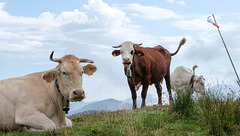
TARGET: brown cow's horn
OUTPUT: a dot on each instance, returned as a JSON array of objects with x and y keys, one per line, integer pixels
[
  {"x": 117, "y": 46},
  {"x": 52, "y": 59},
  {"x": 137, "y": 44},
  {"x": 86, "y": 60}
]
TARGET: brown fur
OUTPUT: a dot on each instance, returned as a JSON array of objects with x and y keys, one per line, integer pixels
[
  {"x": 151, "y": 69},
  {"x": 193, "y": 68}
]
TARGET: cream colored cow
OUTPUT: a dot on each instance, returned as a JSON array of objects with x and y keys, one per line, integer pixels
[
  {"x": 183, "y": 78},
  {"x": 33, "y": 102}
]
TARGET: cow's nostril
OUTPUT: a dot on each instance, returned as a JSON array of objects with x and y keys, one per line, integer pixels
[{"x": 75, "y": 92}]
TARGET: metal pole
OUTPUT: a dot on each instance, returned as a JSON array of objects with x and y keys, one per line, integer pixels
[{"x": 227, "y": 52}]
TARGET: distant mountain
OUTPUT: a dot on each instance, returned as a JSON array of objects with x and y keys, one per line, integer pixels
[
  {"x": 112, "y": 104},
  {"x": 150, "y": 100},
  {"x": 75, "y": 106},
  {"x": 104, "y": 105},
  {"x": 225, "y": 89}
]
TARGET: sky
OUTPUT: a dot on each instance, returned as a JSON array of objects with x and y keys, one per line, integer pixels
[{"x": 30, "y": 30}]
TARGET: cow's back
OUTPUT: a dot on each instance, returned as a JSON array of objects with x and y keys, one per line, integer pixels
[
  {"x": 155, "y": 62},
  {"x": 180, "y": 77}
]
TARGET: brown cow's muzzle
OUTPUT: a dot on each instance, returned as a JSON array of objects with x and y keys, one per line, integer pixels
[
  {"x": 77, "y": 95},
  {"x": 126, "y": 62}
]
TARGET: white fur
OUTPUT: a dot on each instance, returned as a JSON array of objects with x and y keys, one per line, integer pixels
[{"x": 180, "y": 80}]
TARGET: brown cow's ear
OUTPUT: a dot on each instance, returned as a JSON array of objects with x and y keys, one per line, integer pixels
[
  {"x": 89, "y": 69},
  {"x": 139, "y": 53},
  {"x": 50, "y": 75},
  {"x": 116, "y": 52}
]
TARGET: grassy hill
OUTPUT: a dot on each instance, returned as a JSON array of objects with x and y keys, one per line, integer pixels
[
  {"x": 154, "y": 120},
  {"x": 209, "y": 115}
]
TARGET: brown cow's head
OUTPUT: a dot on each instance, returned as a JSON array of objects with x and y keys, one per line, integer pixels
[
  {"x": 127, "y": 51},
  {"x": 69, "y": 75}
]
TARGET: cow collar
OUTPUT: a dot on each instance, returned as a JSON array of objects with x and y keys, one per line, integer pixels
[
  {"x": 192, "y": 81},
  {"x": 133, "y": 63},
  {"x": 130, "y": 69},
  {"x": 65, "y": 100}
]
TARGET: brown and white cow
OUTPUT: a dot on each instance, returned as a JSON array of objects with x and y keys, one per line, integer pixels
[
  {"x": 146, "y": 66},
  {"x": 34, "y": 103}
]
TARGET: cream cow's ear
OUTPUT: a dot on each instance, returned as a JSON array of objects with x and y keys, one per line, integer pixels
[
  {"x": 89, "y": 69},
  {"x": 50, "y": 75}
]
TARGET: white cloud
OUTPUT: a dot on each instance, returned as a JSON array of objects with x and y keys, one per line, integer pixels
[
  {"x": 73, "y": 17},
  {"x": 102, "y": 13},
  {"x": 152, "y": 13},
  {"x": 201, "y": 23},
  {"x": 96, "y": 19},
  {"x": 193, "y": 24}
]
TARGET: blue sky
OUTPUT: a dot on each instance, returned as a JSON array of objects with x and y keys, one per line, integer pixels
[{"x": 30, "y": 30}]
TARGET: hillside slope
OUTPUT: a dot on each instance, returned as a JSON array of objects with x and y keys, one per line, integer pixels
[{"x": 154, "y": 120}]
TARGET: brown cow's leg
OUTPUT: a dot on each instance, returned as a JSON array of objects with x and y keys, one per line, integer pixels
[
  {"x": 159, "y": 92},
  {"x": 133, "y": 92},
  {"x": 144, "y": 94},
  {"x": 134, "y": 97},
  {"x": 167, "y": 79}
]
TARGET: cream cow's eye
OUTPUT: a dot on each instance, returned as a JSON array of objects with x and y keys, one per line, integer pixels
[
  {"x": 64, "y": 73},
  {"x": 81, "y": 73}
]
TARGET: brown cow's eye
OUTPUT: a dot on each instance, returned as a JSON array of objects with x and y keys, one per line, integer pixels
[{"x": 131, "y": 52}]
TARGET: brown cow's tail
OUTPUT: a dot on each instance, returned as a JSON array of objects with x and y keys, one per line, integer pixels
[
  {"x": 179, "y": 46},
  {"x": 193, "y": 68}
]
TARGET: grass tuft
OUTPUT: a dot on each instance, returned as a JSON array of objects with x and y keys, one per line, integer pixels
[
  {"x": 183, "y": 103},
  {"x": 220, "y": 114}
]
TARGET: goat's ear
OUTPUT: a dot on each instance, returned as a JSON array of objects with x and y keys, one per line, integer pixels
[
  {"x": 201, "y": 77},
  {"x": 89, "y": 69},
  {"x": 139, "y": 53},
  {"x": 116, "y": 52},
  {"x": 50, "y": 75}
]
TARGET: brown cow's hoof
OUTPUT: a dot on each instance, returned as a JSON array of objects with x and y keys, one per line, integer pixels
[{"x": 134, "y": 107}]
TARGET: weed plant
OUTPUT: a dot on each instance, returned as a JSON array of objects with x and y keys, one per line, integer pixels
[
  {"x": 219, "y": 114},
  {"x": 183, "y": 103}
]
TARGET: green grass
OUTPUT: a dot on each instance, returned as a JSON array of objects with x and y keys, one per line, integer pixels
[
  {"x": 184, "y": 104},
  {"x": 150, "y": 121},
  {"x": 220, "y": 114},
  {"x": 217, "y": 113}
]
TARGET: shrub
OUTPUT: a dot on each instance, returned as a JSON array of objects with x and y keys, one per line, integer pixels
[
  {"x": 220, "y": 114},
  {"x": 183, "y": 103}
]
